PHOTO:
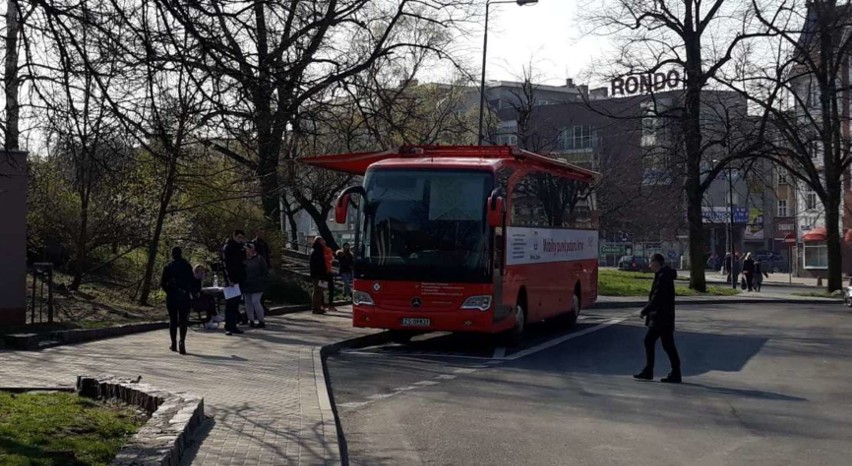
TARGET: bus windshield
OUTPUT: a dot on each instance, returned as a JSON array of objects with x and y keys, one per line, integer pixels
[{"x": 425, "y": 225}]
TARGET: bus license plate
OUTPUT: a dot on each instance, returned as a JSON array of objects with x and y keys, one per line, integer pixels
[{"x": 410, "y": 322}]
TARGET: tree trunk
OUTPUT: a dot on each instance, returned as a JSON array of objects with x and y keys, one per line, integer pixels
[
  {"x": 321, "y": 219},
  {"x": 294, "y": 233},
  {"x": 692, "y": 146},
  {"x": 82, "y": 239},
  {"x": 11, "y": 79},
  {"x": 832, "y": 237},
  {"x": 154, "y": 245}
]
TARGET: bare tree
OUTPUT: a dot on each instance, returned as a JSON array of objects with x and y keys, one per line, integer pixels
[
  {"x": 695, "y": 38},
  {"x": 273, "y": 58},
  {"x": 800, "y": 81}
]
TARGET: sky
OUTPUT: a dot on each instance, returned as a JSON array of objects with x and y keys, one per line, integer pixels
[{"x": 549, "y": 32}]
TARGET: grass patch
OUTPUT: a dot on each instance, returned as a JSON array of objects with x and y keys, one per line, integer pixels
[
  {"x": 621, "y": 283},
  {"x": 48, "y": 429},
  {"x": 818, "y": 294}
]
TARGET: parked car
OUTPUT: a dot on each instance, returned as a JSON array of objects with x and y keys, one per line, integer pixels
[{"x": 634, "y": 264}]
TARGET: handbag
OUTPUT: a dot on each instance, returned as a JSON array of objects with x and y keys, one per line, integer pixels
[{"x": 743, "y": 283}]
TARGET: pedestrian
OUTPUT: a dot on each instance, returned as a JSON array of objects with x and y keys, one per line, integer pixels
[
  {"x": 201, "y": 303},
  {"x": 261, "y": 246},
  {"x": 329, "y": 267},
  {"x": 659, "y": 316},
  {"x": 318, "y": 274},
  {"x": 235, "y": 274},
  {"x": 713, "y": 262},
  {"x": 748, "y": 271},
  {"x": 177, "y": 281},
  {"x": 728, "y": 267},
  {"x": 346, "y": 262},
  {"x": 256, "y": 274},
  {"x": 759, "y": 273}
]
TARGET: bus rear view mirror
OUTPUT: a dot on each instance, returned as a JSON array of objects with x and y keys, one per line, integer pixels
[
  {"x": 496, "y": 208},
  {"x": 341, "y": 208}
]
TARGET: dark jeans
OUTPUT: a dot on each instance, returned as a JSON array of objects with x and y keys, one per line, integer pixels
[
  {"x": 330, "y": 289},
  {"x": 178, "y": 305},
  {"x": 232, "y": 313},
  {"x": 667, "y": 337}
]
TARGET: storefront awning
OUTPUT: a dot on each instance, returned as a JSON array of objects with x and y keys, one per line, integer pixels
[{"x": 814, "y": 236}]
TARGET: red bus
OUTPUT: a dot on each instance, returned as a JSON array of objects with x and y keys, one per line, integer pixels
[{"x": 468, "y": 239}]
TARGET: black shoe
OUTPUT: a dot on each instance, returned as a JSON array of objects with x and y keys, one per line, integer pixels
[
  {"x": 261, "y": 324},
  {"x": 182, "y": 348},
  {"x": 673, "y": 377},
  {"x": 173, "y": 346},
  {"x": 228, "y": 332},
  {"x": 251, "y": 324},
  {"x": 644, "y": 375}
]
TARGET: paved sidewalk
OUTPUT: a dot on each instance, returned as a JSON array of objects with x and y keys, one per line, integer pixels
[{"x": 262, "y": 389}]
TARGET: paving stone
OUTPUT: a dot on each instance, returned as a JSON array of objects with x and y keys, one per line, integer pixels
[{"x": 259, "y": 387}]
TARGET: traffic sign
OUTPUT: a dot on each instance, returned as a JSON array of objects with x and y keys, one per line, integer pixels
[{"x": 612, "y": 249}]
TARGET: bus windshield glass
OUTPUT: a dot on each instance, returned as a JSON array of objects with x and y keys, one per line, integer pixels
[{"x": 425, "y": 225}]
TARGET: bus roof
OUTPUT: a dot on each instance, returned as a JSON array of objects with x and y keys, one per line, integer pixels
[{"x": 358, "y": 162}]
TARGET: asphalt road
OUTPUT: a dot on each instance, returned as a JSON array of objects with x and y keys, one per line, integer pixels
[{"x": 764, "y": 384}]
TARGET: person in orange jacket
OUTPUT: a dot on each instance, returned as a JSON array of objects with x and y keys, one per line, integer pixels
[{"x": 329, "y": 259}]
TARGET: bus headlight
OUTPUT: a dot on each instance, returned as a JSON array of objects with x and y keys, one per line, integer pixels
[
  {"x": 359, "y": 298},
  {"x": 481, "y": 303}
]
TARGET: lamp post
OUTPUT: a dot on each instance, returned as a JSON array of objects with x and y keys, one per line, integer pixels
[
  {"x": 731, "y": 225},
  {"x": 488, "y": 4}
]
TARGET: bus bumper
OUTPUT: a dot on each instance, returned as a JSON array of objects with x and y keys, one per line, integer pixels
[{"x": 445, "y": 321}]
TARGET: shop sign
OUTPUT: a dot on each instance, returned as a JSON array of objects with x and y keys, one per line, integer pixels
[
  {"x": 784, "y": 226},
  {"x": 645, "y": 83}
]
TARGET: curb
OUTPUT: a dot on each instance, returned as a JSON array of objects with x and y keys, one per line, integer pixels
[
  {"x": 623, "y": 304},
  {"x": 164, "y": 438},
  {"x": 291, "y": 309},
  {"x": 328, "y": 408},
  {"x": 37, "y": 341}
]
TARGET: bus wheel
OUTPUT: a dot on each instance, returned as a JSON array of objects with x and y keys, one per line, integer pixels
[
  {"x": 401, "y": 337},
  {"x": 516, "y": 334},
  {"x": 571, "y": 318}
]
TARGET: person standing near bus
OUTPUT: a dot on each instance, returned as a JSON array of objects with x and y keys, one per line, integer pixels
[
  {"x": 659, "y": 316},
  {"x": 347, "y": 266},
  {"x": 318, "y": 274},
  {"x": 329, "y": 267},
  {"x": 178, "y": 282}
]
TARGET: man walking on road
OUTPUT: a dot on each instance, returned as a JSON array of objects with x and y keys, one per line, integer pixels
[{"x": 659, "y": 316}]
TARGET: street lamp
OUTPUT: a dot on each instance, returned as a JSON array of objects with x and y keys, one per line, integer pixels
[
  {"x": 730, "y": 221},
  {"x": 488, "y": 4},
  {"x": 731, "y": 226}
]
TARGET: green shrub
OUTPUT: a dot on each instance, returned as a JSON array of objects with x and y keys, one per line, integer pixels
[{"x": 284, "y": 290}]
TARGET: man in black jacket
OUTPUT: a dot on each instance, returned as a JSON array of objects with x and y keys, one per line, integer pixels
[
  {"x": 178, "y": 282},
  {"x": 659, "y": 316},
  {"x": 235, "y": 274}
]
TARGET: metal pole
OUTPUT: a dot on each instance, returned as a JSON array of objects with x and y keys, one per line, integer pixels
[
  {"x": 731, "y": 226},
  {"x": 482, "y": 80}
]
